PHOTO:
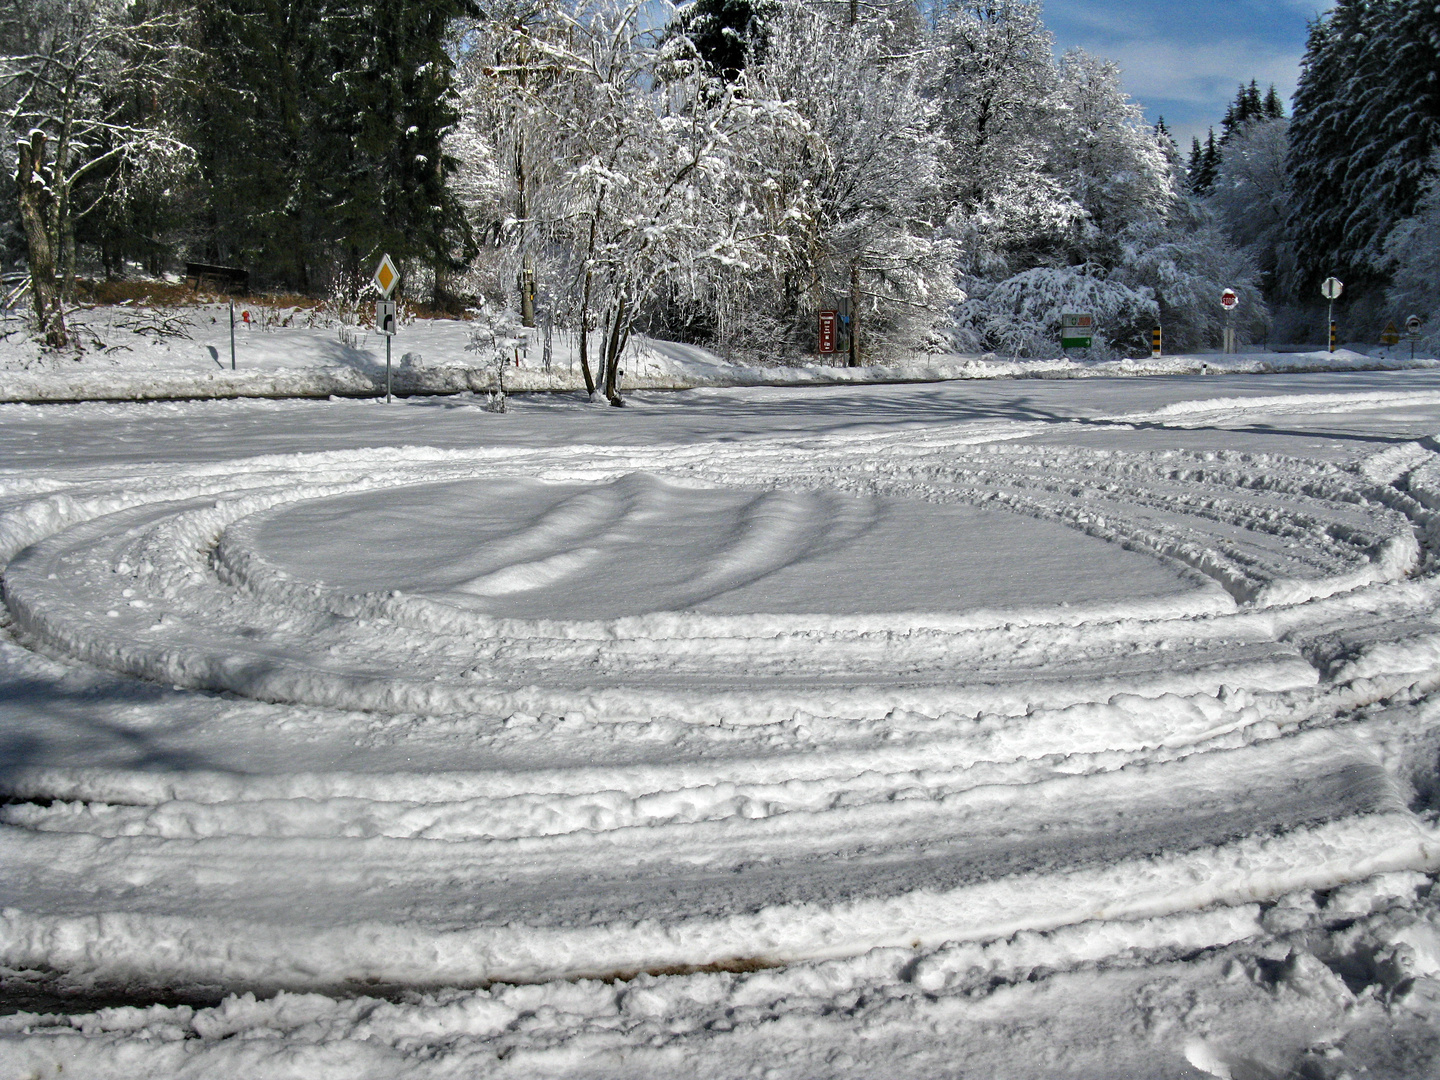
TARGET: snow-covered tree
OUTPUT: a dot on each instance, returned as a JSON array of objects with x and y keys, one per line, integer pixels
[
  {"x": 71, "y": 73},
  {"x": 1250, "y": 197},
  {"x": 1413, "y": 253},
  {"x": 1367, "y": 118},
  {"x": 1107, "y": 157},
  {"x": 1020, "y": 316},
  {"x": 1184, "y": 264},
  {"x": 994, "y": 73},
  {"x": 862, "y": 185}
]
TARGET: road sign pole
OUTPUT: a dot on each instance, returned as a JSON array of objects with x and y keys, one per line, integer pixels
[
  {"x": 1330, "y": 325},
  {"x": 387, "y": 369},
  {"x": 232, "y": 333}
]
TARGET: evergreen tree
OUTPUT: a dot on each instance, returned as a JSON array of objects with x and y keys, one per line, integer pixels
[
  {"x": 1273, "y": 106},
  {"x": 1204, "y": 164},
  {"x": 1398, "y": 122},
  {"x": 1194, "y": 164},
  {"x": 1367, "y": 117},
  {"x": 1245, "y": 109},
  {"x": 727, "y": 33},
  {"x": 319, "y": 133}
]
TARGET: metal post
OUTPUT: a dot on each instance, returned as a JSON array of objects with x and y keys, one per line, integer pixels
[
  {"x": 232, "y": 333},
  {"x": 387, "y": 369},
  {"x": 1330, "y": 325}
]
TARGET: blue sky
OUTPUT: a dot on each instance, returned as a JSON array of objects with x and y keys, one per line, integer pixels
[{"x": 1183, "y": 60}]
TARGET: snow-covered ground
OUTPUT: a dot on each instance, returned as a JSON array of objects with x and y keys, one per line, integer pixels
[
  {"x": 128, "y": 353},
  {"x": 1069, "y": 728}
]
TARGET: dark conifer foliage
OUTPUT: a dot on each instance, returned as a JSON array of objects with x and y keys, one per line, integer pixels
[
  {"x": 1274, "y": 107},
  {"x": 1247, "y": 106},
  {"x": 726, "y": 33},
  {"x": 1367, "y": 119},
  {"x": 1204, "y": 164},
  {"x": 318, "y": 134}
]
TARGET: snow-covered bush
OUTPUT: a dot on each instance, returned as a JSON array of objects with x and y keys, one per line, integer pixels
[{"x": 1020, "y": 316}]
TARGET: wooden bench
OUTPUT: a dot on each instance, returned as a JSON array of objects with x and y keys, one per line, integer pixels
[{"x": 226, "y": 279}]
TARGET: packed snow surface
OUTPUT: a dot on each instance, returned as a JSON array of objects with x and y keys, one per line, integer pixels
[{"x": 1082, "y": 729}]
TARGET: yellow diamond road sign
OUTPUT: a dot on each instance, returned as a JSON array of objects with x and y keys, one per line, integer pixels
[{"x": 385, "y": 276}]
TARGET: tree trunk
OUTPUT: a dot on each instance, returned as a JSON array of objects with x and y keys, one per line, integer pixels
[
  {"x": 522, "y": 205},
  {"x": 585, "y": 337},
  {"x": 585, "y": 302},
  {"x": 855, "y": 313},
  {"x": 440, "y": 290},
  {"x": 36, "y": 200},
  {"x": 613, "y": 346},
  {"x": 526, "y": 282}
]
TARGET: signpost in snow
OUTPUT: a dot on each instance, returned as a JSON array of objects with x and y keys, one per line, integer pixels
[
  {"x": 828, "y": 322},
  {"x": 1229, "y": 300},
  {"x": 385, "y": 279},
  {"x": 1331, "y": 288},
  {"x": 385, "y": 324},
  {"x": 1076, "y": 330},
  {"x": 1412, "y": 332}
]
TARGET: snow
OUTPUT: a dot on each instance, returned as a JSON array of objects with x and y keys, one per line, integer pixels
[
  {"x": 296, "y": 352},
  {"x": 1033, "y": 729}
]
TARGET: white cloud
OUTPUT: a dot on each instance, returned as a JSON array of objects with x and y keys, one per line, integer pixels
[{"x": 1202, "y": 74}]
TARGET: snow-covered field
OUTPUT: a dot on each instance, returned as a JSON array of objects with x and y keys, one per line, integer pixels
[{"x": 1072, "y": 728}]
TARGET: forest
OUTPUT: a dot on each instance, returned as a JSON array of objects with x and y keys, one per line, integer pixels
[{"x": 717, "y": 172}]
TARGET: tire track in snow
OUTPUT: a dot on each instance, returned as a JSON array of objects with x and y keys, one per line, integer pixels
[{"x": 1109, "y": 761}]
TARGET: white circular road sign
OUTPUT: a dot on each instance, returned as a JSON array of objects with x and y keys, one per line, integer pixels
[{"x": 1331, "y": 288}]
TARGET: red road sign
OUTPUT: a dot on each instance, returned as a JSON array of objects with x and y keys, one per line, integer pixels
[{"x": 1229, "y": 300}]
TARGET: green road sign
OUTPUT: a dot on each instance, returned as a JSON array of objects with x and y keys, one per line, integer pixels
[{"x": 1076, "y": 330}]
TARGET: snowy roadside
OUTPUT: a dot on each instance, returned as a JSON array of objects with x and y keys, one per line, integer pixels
[{"x": 281, "y": 356}]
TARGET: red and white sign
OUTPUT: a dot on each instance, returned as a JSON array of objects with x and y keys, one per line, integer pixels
[
  {"x": 1229, "y": 300},
  {"x": 828, "y": 320}
]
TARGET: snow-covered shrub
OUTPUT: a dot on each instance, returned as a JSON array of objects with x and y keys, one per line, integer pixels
[
  {"x": 496, "y": 337},
  {"x": 1020, "y": 316}
]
